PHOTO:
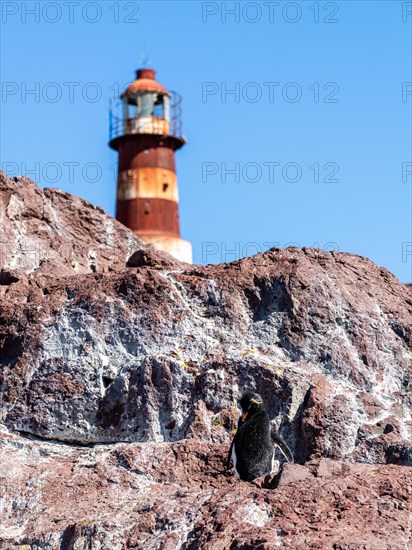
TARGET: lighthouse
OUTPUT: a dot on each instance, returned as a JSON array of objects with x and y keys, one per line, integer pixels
[{"x": 146, "y": 133}]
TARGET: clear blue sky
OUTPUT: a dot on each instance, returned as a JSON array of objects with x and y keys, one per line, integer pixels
[{"x": 316, "y": 99}]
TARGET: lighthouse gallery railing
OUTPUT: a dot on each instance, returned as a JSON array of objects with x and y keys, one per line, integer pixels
[{"x": 119, "y": 126}]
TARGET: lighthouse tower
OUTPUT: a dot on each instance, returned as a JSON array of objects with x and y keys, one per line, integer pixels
[{"x": 146, "y": 135}]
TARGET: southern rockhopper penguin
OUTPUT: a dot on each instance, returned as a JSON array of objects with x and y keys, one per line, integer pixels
[{"x": 252, "y": 448}]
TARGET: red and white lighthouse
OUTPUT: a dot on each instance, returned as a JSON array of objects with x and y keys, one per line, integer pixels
[{"x": 146, "y": 135}]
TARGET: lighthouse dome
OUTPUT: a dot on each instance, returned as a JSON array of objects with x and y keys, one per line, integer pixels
[{"x": 145, "y": 82}]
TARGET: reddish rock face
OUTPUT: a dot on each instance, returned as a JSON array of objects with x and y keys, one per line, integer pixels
[
  {"x": 176, "y": 495},
  {"x": 120, "y": 345},
  {"x": 54, "y": 233}
]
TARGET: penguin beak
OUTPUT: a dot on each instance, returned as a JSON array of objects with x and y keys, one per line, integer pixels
[{"x": 244, "y": 416}]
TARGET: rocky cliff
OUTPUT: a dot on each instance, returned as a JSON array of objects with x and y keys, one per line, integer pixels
[{"x": 118, "y": 376}]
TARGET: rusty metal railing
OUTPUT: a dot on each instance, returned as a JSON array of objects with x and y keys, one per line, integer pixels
[
  {"x": 176, "y": 115},
  {"x": 119, "y": 126}
]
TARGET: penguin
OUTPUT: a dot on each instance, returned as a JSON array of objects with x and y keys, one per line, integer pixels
[{"x": 252, "y": 448}]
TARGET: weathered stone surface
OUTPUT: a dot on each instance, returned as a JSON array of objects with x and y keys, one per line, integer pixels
[
  {"x": 53, "y": 232},
  {"x": 126, "y": 355},
  {"x": 146, "y": 361},
  {"x": 292, "y": 473},
  {"x": 176, "y": 495}
]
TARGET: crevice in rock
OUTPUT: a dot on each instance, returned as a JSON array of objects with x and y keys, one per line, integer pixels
[
  {"x": 305, "y": 444},
  {"x": 68, "y": 538},
  {"x": 67, "y": 442},
  {"x": 401, "y": 332},
  {"x": 8, "y": 277}
]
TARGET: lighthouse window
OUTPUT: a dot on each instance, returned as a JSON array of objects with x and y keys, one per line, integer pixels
[
  {"x": 150, "y": 104},
  {"x": 166, "y": 103},
  {"x": 132, "y": 111},
  {"x": 158, "y": 106},
  {"x": 145, "y": 105},
  {"x": 165, "y": 186}
]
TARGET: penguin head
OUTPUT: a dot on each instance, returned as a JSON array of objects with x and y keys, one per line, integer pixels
[{"x": 250, "y": 403}]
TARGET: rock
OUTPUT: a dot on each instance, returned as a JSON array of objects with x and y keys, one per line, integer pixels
[
  {"x": 292, "y": 473},
  {"x": 119, "y": 370},
  {"x": 58, "y": 232},
  {"x": 152, "y": 257},
  {"x": 176, "y": 495},
  {"x": 126, "y": 355}
]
